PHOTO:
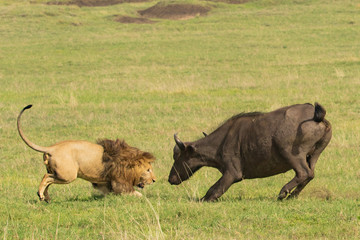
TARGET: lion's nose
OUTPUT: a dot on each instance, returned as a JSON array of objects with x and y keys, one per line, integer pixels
[{"x": 154, "y": 180}]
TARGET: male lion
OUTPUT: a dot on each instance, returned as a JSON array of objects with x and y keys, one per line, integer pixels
[{"x": 111, "y": 166}]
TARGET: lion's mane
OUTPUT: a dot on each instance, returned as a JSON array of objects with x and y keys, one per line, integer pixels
[{"x": 122, "y": 161}]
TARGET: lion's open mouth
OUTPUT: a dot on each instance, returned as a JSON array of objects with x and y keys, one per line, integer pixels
[{"x": 141, "y": 185}]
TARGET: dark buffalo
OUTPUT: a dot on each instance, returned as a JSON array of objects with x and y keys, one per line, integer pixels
[{"x": 258, "y": 145}]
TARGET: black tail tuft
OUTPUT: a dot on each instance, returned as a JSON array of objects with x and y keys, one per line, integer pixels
[
  {"x": 27, "y": 107},
  {"x": 320, "y": 113}
]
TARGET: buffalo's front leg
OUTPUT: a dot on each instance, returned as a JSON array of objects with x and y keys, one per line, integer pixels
[{"x": 219, "y": 188}]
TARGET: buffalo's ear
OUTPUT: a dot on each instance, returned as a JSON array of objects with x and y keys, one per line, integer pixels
[
  {"x": 190, "y": 149},
  {"x": 179, "y": 143},
  {"x": 205, "y": 134}
]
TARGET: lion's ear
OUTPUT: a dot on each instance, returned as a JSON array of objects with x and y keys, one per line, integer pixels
[{"x": 148, "y": 156}]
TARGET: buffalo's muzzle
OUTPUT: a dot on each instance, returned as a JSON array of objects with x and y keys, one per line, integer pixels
[{"x": 174, "y": 180}]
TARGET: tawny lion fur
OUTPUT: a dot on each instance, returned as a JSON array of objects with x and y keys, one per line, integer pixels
[{"x": 111, "y": 166}]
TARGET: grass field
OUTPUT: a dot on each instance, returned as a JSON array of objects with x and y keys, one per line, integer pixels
[{"x": 91, "y": 77}]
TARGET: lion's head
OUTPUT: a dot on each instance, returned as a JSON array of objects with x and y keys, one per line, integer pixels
[
  {"x": 127, "y": 163},
  {"x": 144, "y": 175}
]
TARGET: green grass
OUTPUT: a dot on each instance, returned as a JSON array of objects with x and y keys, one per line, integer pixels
[{"x": 90, "y": 77}]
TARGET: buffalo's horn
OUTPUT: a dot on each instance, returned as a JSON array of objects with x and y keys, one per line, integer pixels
[
  {"x": 204, "y": 134},
  {"x": 180, "y": 144}
]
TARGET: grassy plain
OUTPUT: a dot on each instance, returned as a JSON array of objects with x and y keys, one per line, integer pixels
[{"x": 90, "y": 77}]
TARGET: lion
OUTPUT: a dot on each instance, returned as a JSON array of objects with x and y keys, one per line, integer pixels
[{"x": 111, "y": 166}]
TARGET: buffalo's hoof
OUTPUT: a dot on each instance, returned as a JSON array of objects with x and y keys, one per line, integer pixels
[
  {"x": 208, "y": 199},
  {"x": 282, "y": 196}
]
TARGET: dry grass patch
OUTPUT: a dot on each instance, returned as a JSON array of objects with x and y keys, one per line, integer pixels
[{"x": 322, "y": 193}]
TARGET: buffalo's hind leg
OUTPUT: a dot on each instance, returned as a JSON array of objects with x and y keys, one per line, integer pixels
[
  {"x": 303, "y": 175},
  {"x": 311, "y": 160}
]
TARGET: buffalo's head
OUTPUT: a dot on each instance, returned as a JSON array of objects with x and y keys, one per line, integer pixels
[{"x": 186, "y": 162}]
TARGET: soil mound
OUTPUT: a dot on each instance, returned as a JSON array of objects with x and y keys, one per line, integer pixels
[
  {"x": 126, "y": 19},
  {"x": 92, "y": 3},
  {"x": 174, "y": 11}
]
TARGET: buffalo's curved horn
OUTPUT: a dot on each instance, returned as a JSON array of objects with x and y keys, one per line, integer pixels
[
  {"x": 179, "y": 143},
  {"x": 205, "y": 134}
]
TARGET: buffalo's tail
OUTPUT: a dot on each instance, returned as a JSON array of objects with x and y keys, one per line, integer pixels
[{"x": 320, "y": 113}]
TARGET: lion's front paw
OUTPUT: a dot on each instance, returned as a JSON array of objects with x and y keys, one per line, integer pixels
[{"x": 136, "y": 193}]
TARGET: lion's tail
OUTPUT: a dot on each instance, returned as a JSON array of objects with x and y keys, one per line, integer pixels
[{"x": 25, "y": 139}]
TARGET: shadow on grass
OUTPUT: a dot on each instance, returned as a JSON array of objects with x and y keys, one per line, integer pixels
[
  {"x": 91, "y": 198},
  {"x": 242, "y": 199}
]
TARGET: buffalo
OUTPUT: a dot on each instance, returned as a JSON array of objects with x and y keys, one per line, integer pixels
[{"x": 257, "y": 145}]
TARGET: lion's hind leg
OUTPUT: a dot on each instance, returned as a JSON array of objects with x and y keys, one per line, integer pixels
[{"x": 47, "y": 180}]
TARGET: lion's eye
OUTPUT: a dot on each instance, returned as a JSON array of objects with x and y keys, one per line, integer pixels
[{"x": 149, "y": 170}]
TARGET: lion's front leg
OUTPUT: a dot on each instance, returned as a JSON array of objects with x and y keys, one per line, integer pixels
[
  {"x": 105, "y": 188},
  {"x": 122, "y": 187}
]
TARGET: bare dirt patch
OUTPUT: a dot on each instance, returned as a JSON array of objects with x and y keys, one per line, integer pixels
[
  {"x": 127, "y": 19},
  {"x": 232, "y": 1},
  {"x": 174, "y": 11},
  {"x": 92, "y": 3},
  {"x": 322, "y": 193}
]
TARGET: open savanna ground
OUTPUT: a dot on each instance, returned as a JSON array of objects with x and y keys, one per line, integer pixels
[{"x": 117, "y": 71}]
